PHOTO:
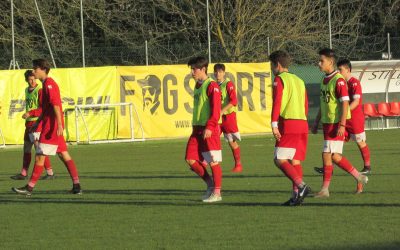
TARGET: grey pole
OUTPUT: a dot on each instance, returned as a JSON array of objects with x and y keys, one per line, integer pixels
[
  {"x": 45, "y": 35},
  {"x": 83, "y": 36},
  {"x": 269, "y": 48},
  {"x": 388, "y": 38},
  {"x": 330, "y": 26},
  {"x": 208, "y": 33},
  {"x": 147, "y": 53},
  {"x": 12, "y": 34}
]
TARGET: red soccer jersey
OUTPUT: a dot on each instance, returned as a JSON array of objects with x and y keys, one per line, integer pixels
[
  {"x": 287, "y": 126},
  {"x": 50, "y": 98},
  {"x": 230, "y": 90},
  {"x": 214, "y": 97},
  {"x": 355, "y": 92}
]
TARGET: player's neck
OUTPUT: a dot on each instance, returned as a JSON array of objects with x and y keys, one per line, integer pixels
[
  {"x": 330, "y": 71},
  {"x": 43, "y": 79},
  {"x": 283, "y": 70}
]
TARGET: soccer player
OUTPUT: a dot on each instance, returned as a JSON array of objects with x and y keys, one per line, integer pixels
[
  {"x": 33, "y": 97},
  {"x": 289, "y": 124},
  {"x": 229, "y": 107},
  {"x": 204, "y": 142},
  {"x": 333, "y": 112},
  {"x": 51, "y": 139},
  {"x": 355, "y": 126}
]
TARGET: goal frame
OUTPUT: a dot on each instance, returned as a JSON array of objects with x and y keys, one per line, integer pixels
[{"x": 131, "y": 106}]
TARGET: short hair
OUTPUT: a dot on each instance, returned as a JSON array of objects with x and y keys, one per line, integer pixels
[
  {"x": 281, "y": 57},
  {"x": 219, "y": 66},
  {"x": 330, "y": 53},
  {"x": 41, "y": 63},
  {"x": 198, "y": 62},
  {"x": 28, "y": 74},
  {"x": 344, "y": 62}
]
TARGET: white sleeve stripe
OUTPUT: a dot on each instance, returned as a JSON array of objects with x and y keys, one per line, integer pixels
[
  {"x": 356, "y": 96},
  {"x": 344, "y": 98},
  {"x": 274, "y": 124}
]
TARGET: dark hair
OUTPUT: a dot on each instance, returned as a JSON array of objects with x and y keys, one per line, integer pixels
[
  {"x": 219, "y": 66},
  {"x": 28, "y": 74},
  {"x": 41, "y": 63},
  {"x": 281, "y": 57},
  {"x": 344, "y": 62},
  {"x": 330, "y": 53},
  {"x": 198, "y": 62}
]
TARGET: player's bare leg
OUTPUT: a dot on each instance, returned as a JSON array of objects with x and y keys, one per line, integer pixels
[{"x": 236, "y": 155}]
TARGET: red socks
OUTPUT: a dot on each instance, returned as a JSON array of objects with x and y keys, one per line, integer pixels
[
  {"x": 366, "y": 156},
  {"x": 36, "y": 173},
  {"x": 328, "y": 170},
  {"x": 299, "y": 171},
  {"x": 201, "y": 171},
  {"x": 73, "y": 172},
  {"x": 47, "y": 165},
  {"x": 217, "y": 177},
  {"x": 236, "y": 155},
  {"x": 291, "y": 173},
  {"x": 26, "y": 161},
  {"x": 346, "y": 166}
]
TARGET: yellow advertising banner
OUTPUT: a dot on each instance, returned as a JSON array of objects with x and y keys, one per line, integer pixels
[
  {"x": 78, "y": 86},
  {"x": 161, "y": 95}
]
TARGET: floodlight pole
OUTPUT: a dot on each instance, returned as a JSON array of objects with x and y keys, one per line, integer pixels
[
  {"x": 330, "y": 26},
  {"x": 83, "y": 36},
  {"x": 389, "y": 53},
  {"x": 45, "y": 35},
  {"x": 208, "y": 32},
  {"x": 12, "y": 34}
]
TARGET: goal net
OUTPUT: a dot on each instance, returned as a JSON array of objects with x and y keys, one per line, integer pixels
[{"x": 107, "y": 123}]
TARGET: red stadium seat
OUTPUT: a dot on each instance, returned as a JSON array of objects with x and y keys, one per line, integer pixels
[
  {"x": 384, "y": 109},
  {"x": 371, "y": 113},
  {"x": 395, "y": 108}
]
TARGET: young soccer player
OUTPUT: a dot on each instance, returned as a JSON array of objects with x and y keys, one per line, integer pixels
[
  {"x": 229, "y": 123},
  {"x": 355, "y": 126},
  {"x": 51, "y": 139},
  {"x": 204, "y": 142},
  {"x": 333, "y": 112},
  {"x": 33, "y": 102},
  {"x": 289, "y": 124}
]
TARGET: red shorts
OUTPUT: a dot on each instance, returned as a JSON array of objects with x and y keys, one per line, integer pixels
[
  {"x": 292, "y": 147},
  {"x": 49, "y": 142},
  {"x": 201, "y": 149},
  {"x": 330, "y": 132},
  {"x": 229, "y": 123},
  {"x": 355, "y": 126}
]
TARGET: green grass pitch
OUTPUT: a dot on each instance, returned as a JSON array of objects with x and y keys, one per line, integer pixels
[{"x": 143, "y": 196}]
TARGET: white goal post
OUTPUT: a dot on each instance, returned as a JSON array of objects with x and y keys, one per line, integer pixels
[{"x": 79, "y": 113}]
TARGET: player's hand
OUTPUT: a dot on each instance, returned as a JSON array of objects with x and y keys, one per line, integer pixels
[
  {"x": 341, "y": 131},
  {"x": 60, "y": 130},
  {"x": 26, "y": 115},
  {"x": 207, "y": 133},
  {"x": 276, "y": 133},
  {"x": 314, "y": 128}
]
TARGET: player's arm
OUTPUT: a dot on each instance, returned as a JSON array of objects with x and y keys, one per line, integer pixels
[
  {"x": 276, "y": 106},
  {"x": 230, "y": 89},
  {"x": 314, "y": 128},
  {"x": 214, "y": 97},
  {"x": 356, "y": 86},
  {"x": 57, "y": 111},
  {"x": 343, "y": 96}
]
